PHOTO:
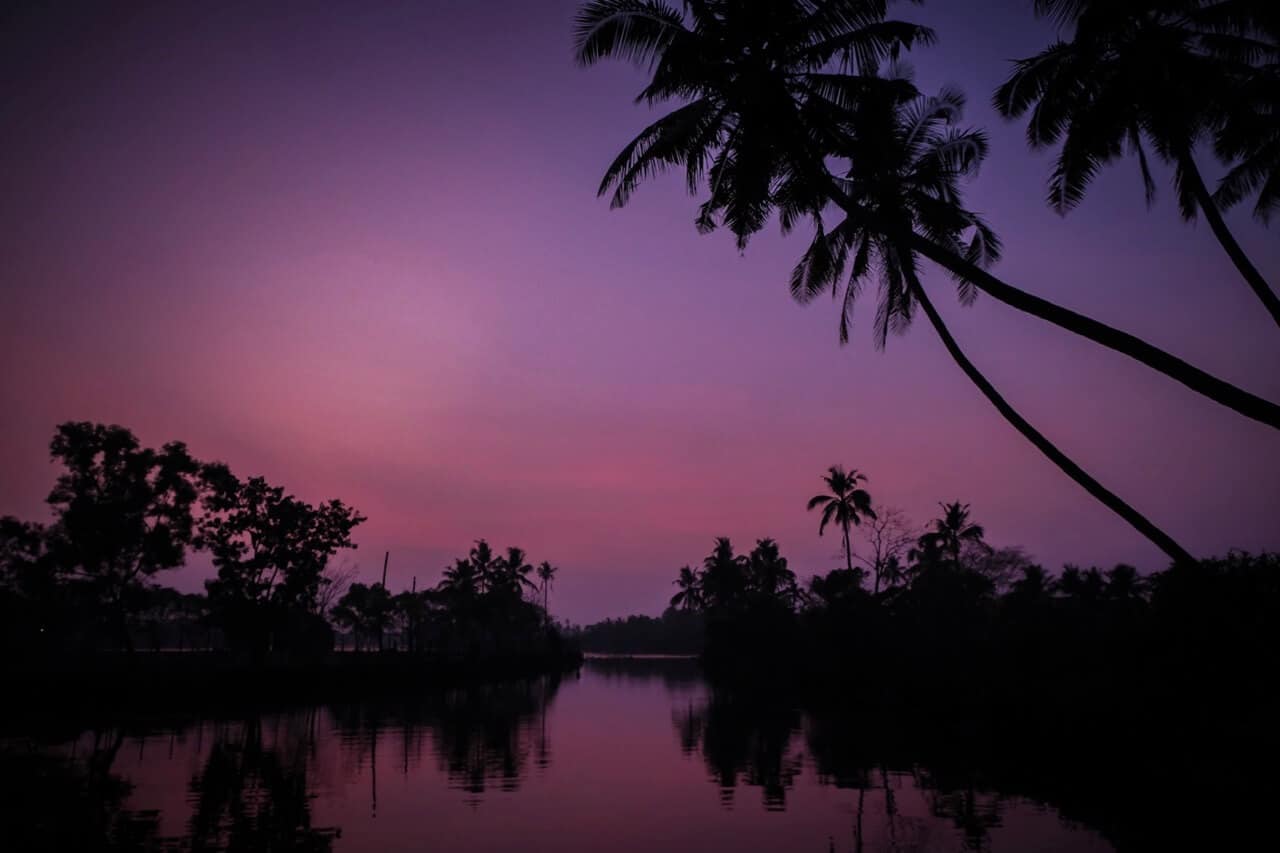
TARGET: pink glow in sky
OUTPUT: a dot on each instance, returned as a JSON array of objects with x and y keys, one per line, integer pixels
[{"x": 356, "y": 248}]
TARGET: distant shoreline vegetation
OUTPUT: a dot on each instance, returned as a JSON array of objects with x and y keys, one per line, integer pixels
[
  {"x": 79, "y": 596},
  {"x": 919, "y": 613}
]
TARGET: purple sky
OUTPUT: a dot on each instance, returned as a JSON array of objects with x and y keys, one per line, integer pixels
[{"x": 355, "y": 247}]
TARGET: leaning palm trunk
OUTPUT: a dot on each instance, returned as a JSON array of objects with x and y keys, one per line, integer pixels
[
  {"x": 1209, "y": 207},
  {"x": 1138, "y": 521},
  {"x": 1224, "y": 393}
]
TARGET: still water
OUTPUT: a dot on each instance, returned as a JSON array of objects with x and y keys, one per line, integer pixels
[{"x": 623, "y": 756}]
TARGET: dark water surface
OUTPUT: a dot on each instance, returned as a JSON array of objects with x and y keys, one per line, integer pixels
[{"x": 625, "y": 756}]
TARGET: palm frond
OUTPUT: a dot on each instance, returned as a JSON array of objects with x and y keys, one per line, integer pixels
[{"x": 633, "y": 30}]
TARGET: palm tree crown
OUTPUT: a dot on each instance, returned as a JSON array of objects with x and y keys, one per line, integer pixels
[
  {"x": 689, "y": 590},
  {"x": 844, "y": 503},
  {"x": 904, "y": 171},
  {"x": 546, "y": 574},
  {"x": 948, "y": 534},
  {"x": 761, "y": 86},
  {"x": 1148, "y": 74}
]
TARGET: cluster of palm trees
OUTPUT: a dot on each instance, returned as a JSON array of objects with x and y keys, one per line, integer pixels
[
  {"x": 484, "y": 591},
  {"x": 800, "y": 109},
  {"x": 953, "y": 542},
  {"x": 728, "y": 581},
  {"x": 482, "y": 572}
]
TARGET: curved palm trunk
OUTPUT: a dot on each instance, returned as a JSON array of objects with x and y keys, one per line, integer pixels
[
  {"x": 1139, "y": 522},
  {"x": 848, "y": 548},
  {"x": 1252, "y": 277},
  {"x": 1224, "y": 393}
]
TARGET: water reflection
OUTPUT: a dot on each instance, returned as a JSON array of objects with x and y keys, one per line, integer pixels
[
  {"x": 630, "y": 756},
  {"x": 480, "y": 738},
  {"x": 762, "y": 741}
]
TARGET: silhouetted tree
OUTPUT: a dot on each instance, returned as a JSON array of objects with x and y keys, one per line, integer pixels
[
  {"x": 460, "y": 581},
  {"x": 767, "y": 96},
  {"x": 889, "y": 538},
  {"x": 484, "y": 566},
  {"x": 37, "y": 602},
  {"x": 1250, "y": 138},
  {"x": 546, "y": 575},
  {"x": 270, "y": 550},
  {"x": 513, "y": 570},
  {"x": 724, "y": 579},
  {"x": 909, "y": 171},
  {"x": 689, "y": 590},
  {"x": 949, "y": 534},
  {"x": 1134, "y": 74},
  {"x": 844, "y": 504},
  {"x": 366, "y": 611},
  {"x": 122, "y": 513},
  {"x": 768, "y": 576}
]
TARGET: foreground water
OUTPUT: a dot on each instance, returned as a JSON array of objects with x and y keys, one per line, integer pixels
[{"x": 624, "y": 756}]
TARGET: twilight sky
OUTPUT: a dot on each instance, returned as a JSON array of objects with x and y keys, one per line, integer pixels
[{"x": 355, "y": 247}]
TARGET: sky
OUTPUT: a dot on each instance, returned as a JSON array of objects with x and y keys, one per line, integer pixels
[{"x": 356, "y": 248}]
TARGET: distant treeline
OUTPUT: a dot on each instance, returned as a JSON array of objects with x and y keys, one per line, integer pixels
[
  {"x": 944, "y": 613},
  {"x": 123, "y": 514},
  {"x": 676, "y": 632}
]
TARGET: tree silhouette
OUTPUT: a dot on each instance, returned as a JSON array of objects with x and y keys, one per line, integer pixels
[
  {"x": 365, "y": 610},
  {"x": 724, "y": 580},
  {"x": 546, "y": 575},
  {"x": 122, "y": 513},
  {"x": 271, "y": 551},
  {"x": 906, "y": 166},
  {"x": 888, "y": 538},
  {"x": 768, "y": 576},
  {"x": 1250, "y": 138},
  {"x": 947, "y": 535},
  {"x": 689, "y": 594},
  {"x": 513, "y": 570},
  {"x": 844, "y": 503},
  {"x": 484, "y": 566},
  {"x": 767, "y": 96},
  {"x": 1140, "y": 74}
]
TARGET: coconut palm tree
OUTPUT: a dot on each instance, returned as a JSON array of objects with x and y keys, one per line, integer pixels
[
  {"x": 905, "y": 168},
  {"x": 483, "y": 565},
  {"x": 1250, "y": 138},
  {"x": 724, "y": 577},
  {"x": 546, "y": 574},
  {"x": 767, "y": 92},
  {"x": 513, "y": 570},
  {"x": 768, "y": 573},
  {"x": 689, "y": 590},
  {"x": 949, "y": 534},
  {"x": 460, "y": 580},
  {"x": 843, "y": 503},
  {"x": 1139, "y": 75}
]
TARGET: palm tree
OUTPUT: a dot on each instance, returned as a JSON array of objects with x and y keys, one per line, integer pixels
[
  {"x": 844, "y": 503},
  {"x": 1250, "y": 138},
  {"x": 767, "y": 93},
  {"x": 723, "y": 575},
  {"x": 546, "y": 573},
  {"x": 483, "y": 565},
  {"x": 1135, "y": 75},
  {"x": 952, "y": 531},
  {"x": 768, "y": 573},
  {"x": 514, "y": 569},
  {"x": 689, "y": 586},
  {"x": 460, "y": 579}
]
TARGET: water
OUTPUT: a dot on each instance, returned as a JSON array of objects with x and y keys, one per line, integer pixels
[{"x": 635, "y": 756}]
